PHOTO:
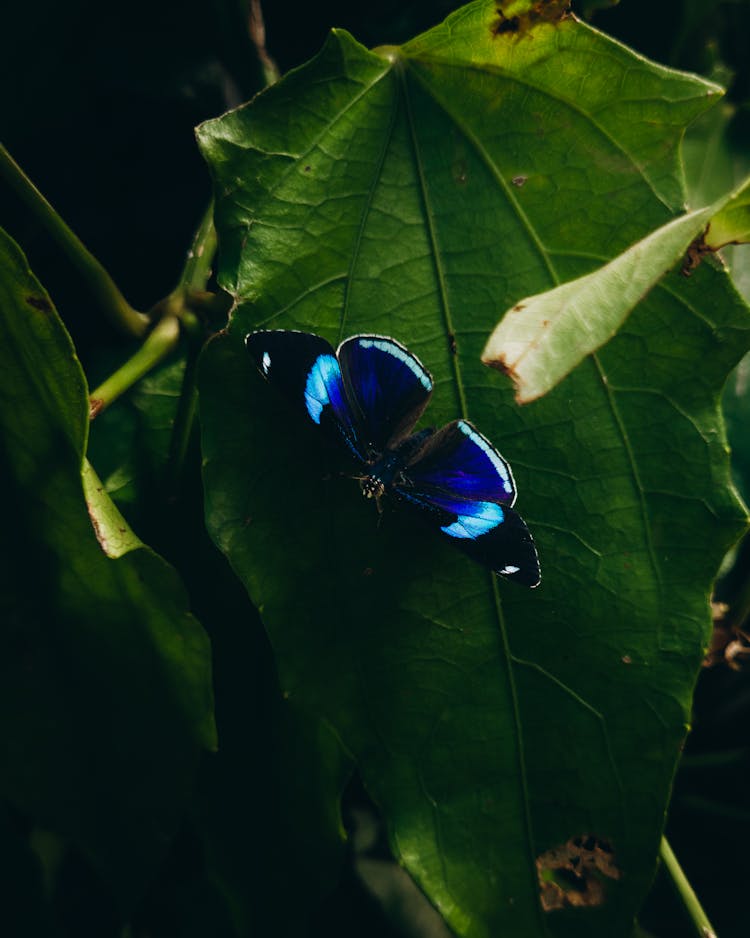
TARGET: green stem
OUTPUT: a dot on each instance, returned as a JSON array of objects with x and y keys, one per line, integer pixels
[
  {"x": 184, "y": 420},
  {"x": 703, "y": 927},
  {"x": 197, "y": 268},
  {"x": 112, "y": 302},
  {"x": 256, "y": 27},
  {"x": 159, "y": 343},
  {"x": 192, "y": 281}
]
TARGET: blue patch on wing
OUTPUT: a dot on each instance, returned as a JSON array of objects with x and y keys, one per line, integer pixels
[
  {"x": 323, "y": 386},
  {"x": 475, "y": 519}
]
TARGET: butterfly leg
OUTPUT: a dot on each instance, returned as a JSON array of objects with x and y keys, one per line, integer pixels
[{"x": 381, "y": 510}]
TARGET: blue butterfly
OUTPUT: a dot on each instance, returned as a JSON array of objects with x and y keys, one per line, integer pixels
[{"x": 366, "y": 397}]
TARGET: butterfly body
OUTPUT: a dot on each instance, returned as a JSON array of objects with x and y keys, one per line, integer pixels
[
  {"x": 366, "y": 398},
  {"x": 388, "y": 470}
]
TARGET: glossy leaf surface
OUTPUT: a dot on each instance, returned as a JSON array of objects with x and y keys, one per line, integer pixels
[{"x": 416, "y": 193}]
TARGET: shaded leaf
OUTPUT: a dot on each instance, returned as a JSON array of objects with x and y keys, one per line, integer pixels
[
  {"x": 106, "y": 693},
  {"x": 267, "y": 803},
  {"x": 415, "y": 193}
]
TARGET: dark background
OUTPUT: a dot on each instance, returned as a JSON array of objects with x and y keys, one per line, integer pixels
[{"x": 99, "y": 106}]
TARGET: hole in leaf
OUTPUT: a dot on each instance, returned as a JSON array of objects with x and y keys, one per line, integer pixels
[{"x": 575, "y": 874}]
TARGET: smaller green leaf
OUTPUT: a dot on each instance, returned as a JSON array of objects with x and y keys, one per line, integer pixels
[
  {"x": 542, "y": 338},
  {"x": 112, "y": 531},
  {"x": 731, "y": 225}
]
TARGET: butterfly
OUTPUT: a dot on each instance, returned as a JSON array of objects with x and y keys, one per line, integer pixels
[{"x": 366, "y": 398}]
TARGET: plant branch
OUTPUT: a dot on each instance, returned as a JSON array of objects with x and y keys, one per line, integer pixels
[
  {"x": 197, "y": 268},
  {"x": 191, "y": 285},
  {"x": 703, "y": 927},
  {"x": 158, "y": 344},
  {"x": 184, "y": 421},
  {"x": 256, "y": 27},
  {"x": 109, "y": 297}
]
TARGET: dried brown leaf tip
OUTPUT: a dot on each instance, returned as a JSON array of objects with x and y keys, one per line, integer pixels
[
  {"x": 516, "y": 17},
  {"x": 730, "y": 642},
  {"x": 575, "y": 874}
]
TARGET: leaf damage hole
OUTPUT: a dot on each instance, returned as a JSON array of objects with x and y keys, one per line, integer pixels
[
  {"x": 575, "y": 874},
  {"x": 512, "y": 23}
]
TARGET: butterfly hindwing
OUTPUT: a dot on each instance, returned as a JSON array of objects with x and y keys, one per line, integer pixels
[
  {"x": 494, "y": 535},
  {"x": 462, "y": 486},
  {"x": 304, "y": 368},
  {"x": 390, "y": 386}
]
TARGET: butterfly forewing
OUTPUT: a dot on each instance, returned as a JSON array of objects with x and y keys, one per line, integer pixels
[
  {"x": 460, "y": 460},
  {"x": 304, "y": 368},
  {"x": 390, "y": 386}
]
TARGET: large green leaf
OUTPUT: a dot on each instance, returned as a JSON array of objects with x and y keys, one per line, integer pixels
[
  {"x": 417, "y": 192},
  {"x": 106, "y": 690}
]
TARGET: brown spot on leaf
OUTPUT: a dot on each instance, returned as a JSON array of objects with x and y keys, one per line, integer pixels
[
  {"x": 518, "y": 307},
  {"x": 96, "y": 406},
  {"x": 502, "y": 366},
  {"x": 695, "y": 254},
  {"x": 543, "y": 11},
  {"x": 626, "y": 659},
  {"x": 575, "y": 874},
  {"x": 98, "y": 529},
  {"x": 518, "y": 181},
  {"x": 40, "y": 302},
  {"x": 452, "y": 344}
]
